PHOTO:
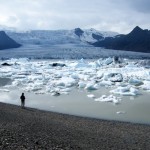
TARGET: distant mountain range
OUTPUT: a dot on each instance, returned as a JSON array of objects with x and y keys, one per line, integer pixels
[
  {"x": 6, "y": 42},
  {"x": 137, "y": 40}
]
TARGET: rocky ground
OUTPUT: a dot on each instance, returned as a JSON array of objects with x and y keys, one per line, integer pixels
[{"x": 28, "y": 128}]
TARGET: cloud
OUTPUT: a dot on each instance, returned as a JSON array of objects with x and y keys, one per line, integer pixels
[
  {"x": 140, "y": 5},
  {"x": 114, "y": 15}
]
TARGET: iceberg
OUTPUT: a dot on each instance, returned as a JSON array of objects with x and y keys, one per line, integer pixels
[
  {"x": 91, "y": 96},
  {"x": 126, "y": 91},
  {"x": 109, "y": 98}
]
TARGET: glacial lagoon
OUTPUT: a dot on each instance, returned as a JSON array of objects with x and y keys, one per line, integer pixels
[{"x": 80, "y": 88}]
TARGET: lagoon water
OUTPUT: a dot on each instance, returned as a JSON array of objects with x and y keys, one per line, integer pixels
[{"x": 132, "y": 109}]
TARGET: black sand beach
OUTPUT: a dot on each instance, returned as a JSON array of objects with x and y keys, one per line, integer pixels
[{"x": 28, "y": 128}]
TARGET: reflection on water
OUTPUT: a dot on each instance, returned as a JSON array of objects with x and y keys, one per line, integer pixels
[
  {"x": 5, "y": 81},
  {"x": 77, "y": 103}
]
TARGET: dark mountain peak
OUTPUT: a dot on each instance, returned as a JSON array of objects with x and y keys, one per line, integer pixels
[
  {"x": 6, "y": 42},
  {"x": 78, "y": 31},
  {"x": 2, "y": 33},
  {"x": 136, "y": 30},
  {"x": 137, "y": 40}
]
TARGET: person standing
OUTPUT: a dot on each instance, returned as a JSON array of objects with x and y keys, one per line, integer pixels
[{"x": 22, "y": 97}]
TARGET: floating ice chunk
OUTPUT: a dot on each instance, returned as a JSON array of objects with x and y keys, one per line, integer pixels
[
  {"x": 120, "y": 112},
  {"x": 75, "y": 76},
  {"x": 6, "y": 74},
  {"x": 134, "y": 91},
  {"x": 109, "y": 98},
  {"x": 23, "y": 60},
  {"x": 33, "y": 87},
  {"x": 108, "y": 61},
  {"x": 4, "y": 90},
  {"x": 19, "y": 60},
  {"x": 81, "y": 85},
  {"x": 114, "y": 77},
  {"x": 126, "y": 91},
  {"x": 33, "y": 77},
  {"x": 36, "y": 88},
  {"x": 55, "y": 94},
  {"x": 18, "y": 76},
  {"x": 94, "y": 64},
  {"x": 16, "y": 82},
  {"x": 121, "y": 90},
  {"x": 65, "y": 81},
  {"x": 90, "y": 87},
  {"x": 145, "y": 63},
  {"x": 131, "y": 65},
  {"x": 40, "y": 92},
  {"x": 106, "y": 83},
  {"x": 58, "y": 75},
  {"x": 65, "y": 90},
  {"x": 82, "y": 64},
  {"x": 60, "y": 83},
  {"x": 91, "y": 96},
  {"x": 146, "y": 85},
  {"x": 99, "y": 62},
  {"x": 99, "y": 74},
  {"x": 136, "y": 82}
]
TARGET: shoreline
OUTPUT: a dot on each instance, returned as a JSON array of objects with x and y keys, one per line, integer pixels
[{"x": 38, "y": 129}]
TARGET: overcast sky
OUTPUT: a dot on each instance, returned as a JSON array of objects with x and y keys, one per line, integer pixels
[{"x": 105, "y": 15}]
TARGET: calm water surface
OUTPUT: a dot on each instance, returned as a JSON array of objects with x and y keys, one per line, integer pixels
[{"x": 77, "y": 103}]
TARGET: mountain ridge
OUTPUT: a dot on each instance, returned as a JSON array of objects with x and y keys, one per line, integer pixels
[
  {"x": 137, "y": 40},
  {"x": 6, "y": 42}
]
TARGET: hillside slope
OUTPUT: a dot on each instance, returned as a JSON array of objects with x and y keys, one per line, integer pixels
[
  {"x": 137, "y": 40},
  {"x": 6, "y": 42}
]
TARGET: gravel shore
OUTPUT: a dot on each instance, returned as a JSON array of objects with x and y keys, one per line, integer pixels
[{"x": 28, "y": 128}]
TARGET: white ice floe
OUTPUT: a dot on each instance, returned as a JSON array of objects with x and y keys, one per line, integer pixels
[
  {"x": 81, "y": 64},
  {"x": 135, "y": 81},
  {"x": 106, "y": 83},
  {"x": 4, "y": 90},
  {"x": 120, "y": 112},
  {"x": 126, "y": 91},
  {"x": 113, "y": 77},
  {"x": 110, "y": 98},
  {"x": 82, "y": 84},
  {"x": 107, "y": 61},
  {"x": 91, "y": 86},
  {"x": 146, "y": 85},
  {"x": 55, "y": 94},
  {"x": 65, "y": 81},
  {"x": 91, "y": 96}
]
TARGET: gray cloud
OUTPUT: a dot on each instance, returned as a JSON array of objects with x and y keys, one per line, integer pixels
[
  {"x": 114, "y": 15},
  {"x": 141, "y": 5}
]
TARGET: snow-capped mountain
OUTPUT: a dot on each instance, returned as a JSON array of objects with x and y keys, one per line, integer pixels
[
  {"x": 57, "y": 37},
  {"x": 92, "y": 35}
]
